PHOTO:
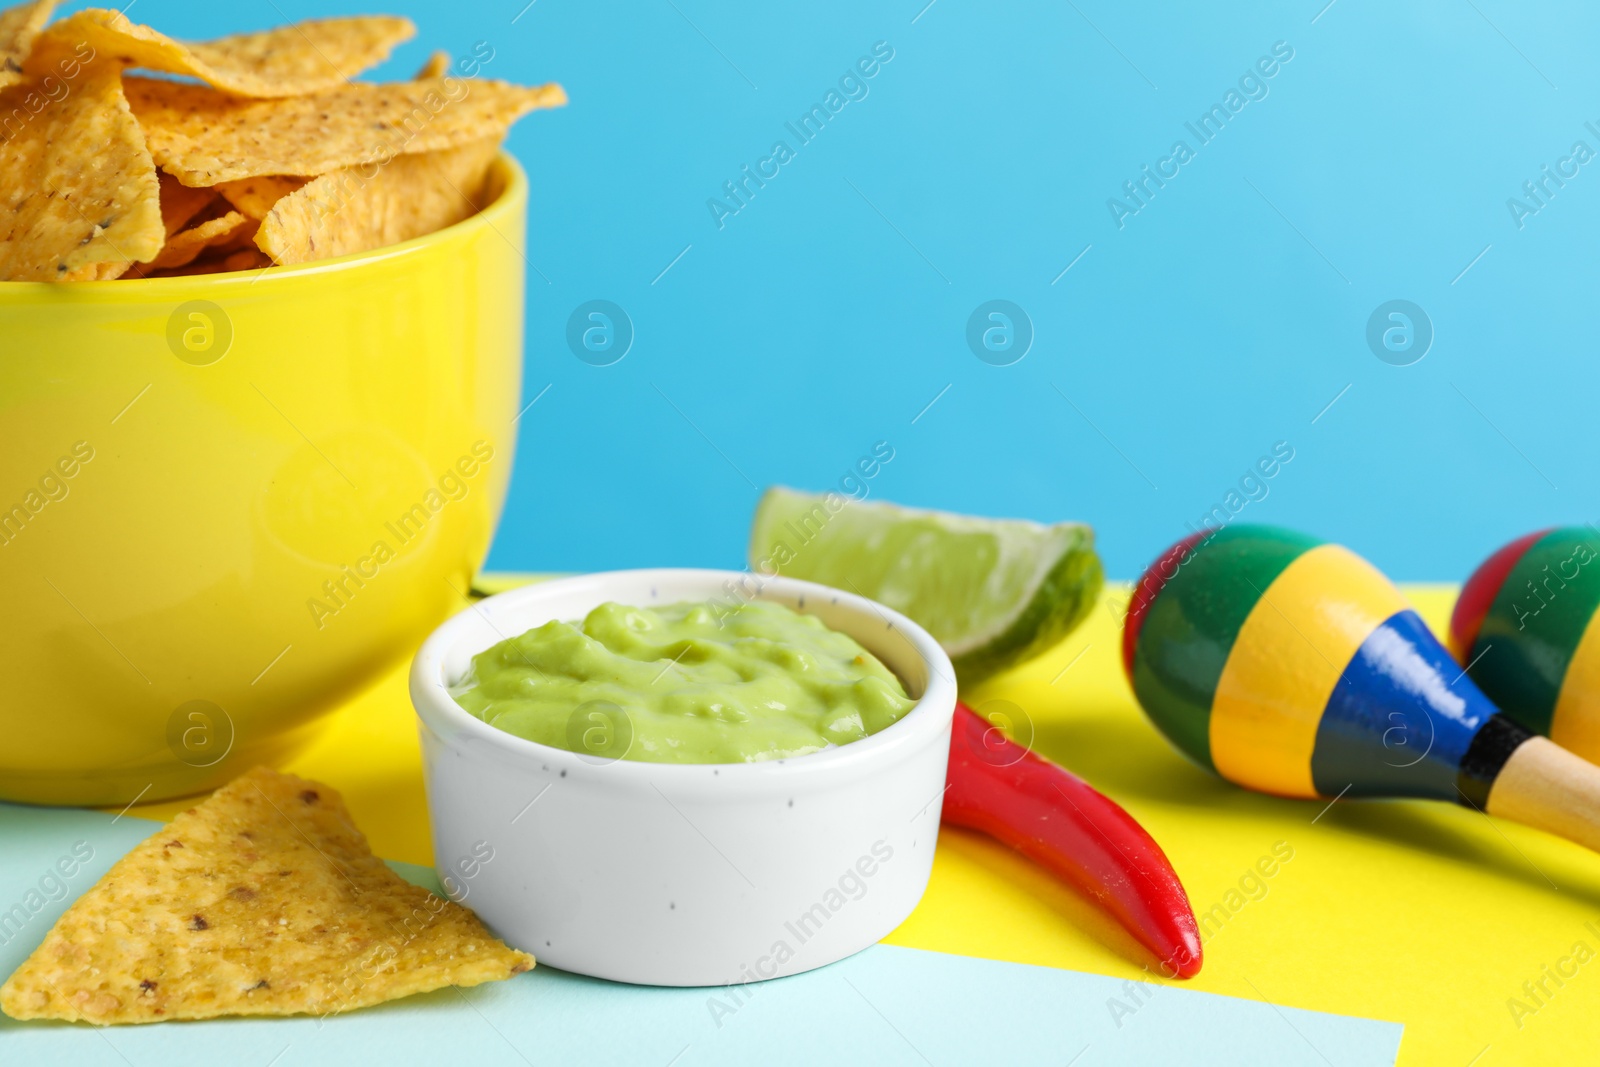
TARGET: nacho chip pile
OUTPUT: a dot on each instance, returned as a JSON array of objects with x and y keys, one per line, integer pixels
[
  {"x": 273, "y": 156},
  {"x": 263, "y": 900}
]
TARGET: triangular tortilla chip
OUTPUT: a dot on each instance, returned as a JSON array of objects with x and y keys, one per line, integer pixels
[
  {"x": 263, "y": 900},
  {"x": 215, "y": 230},
  {"x": 98, "y": 272},
  {"x": 251, "y": 258},
  {"x": 180, "y": 203},
  {"x": 291, "y": 60},
  {"x": 255, "y": 196},
  {"x": 342, "y": 212},
  {"x": 183, "y": 246},
  {"x": 18, "y": 27},
  {"x": 205, "y": 137},
  {"x": 437, "y": 66},
  {"x": 80, "y": 186}
]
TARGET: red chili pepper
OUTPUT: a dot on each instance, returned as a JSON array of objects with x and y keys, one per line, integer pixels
[{"x": 1061, "y": 823}]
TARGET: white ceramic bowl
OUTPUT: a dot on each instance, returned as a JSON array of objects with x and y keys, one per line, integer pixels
[{"x": 684, "y": 874}]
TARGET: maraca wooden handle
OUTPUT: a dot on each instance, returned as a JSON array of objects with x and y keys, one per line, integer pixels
[{"x": 1545, "y": 786}]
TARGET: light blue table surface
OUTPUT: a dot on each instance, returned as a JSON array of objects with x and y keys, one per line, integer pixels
[{"x": 887, "y": 1005}]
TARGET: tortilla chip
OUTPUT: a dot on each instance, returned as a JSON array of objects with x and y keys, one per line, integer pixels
[
  {"x": 98, "y": 272},
  {"x": 180, "y": 203},
  {"x": 80, "y": 188},
  {"x": 211, "y": 262},
  {"x": 183, "y": 246},
  {"x": 18, "y": 27},
  {"x": 255, "y": 196},
  {"x": 244, "y": 259},
  {"x": 288, "y": 61},
  {"x": 437, "y": 66},
  {"x": 205, "y": 137},
  {"x": 343, "y": 212},
  {"x": 264, "y": 900}
]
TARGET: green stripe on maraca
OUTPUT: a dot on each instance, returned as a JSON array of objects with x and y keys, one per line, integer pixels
[
  {"x": 1320, "y": 682},
  {"x": 1330, "y": 683},
  {"x": 1525, "y": 649},
  {"x": 1194, "y": 620}
]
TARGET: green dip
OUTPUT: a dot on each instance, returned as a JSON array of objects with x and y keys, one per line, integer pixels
[{"x": 670, "y": 685}]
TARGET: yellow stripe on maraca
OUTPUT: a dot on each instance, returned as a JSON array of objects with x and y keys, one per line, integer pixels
[
  {"x": 1290, "y": 653},
  {"x": 1576, "y": 722}
]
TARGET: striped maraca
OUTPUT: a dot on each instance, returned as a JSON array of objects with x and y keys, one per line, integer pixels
[
  {"x": 1525, "y": 624},
  {"x": 1294, "y": 667}
]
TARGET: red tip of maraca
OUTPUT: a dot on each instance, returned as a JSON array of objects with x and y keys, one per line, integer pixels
[
  {"x": 1155, "y": 576},
  {"x": 1478, "y": 594}
]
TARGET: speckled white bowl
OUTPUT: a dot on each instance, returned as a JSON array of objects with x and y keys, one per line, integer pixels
[{"x": 684, "y": 874}]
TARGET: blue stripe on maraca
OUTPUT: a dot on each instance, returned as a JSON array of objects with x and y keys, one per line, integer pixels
[
  {"x": 1401, "y": 719},
  {"x": 1287, "y": 661}
]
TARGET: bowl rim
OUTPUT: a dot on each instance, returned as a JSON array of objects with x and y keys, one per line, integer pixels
[
  {"x": 513, "y": 192},
  {"x": 931, "y": 714}
]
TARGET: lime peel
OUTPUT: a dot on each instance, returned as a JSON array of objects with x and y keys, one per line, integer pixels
[{"x": 993, "y": 592}]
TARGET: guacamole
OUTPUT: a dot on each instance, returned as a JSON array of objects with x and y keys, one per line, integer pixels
[{"x": 683, "y": 683}]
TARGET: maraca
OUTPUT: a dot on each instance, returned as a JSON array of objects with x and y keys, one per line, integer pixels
[
  {"x": 1524, "y": 626},
  {"x": 1292, "y": 666}
]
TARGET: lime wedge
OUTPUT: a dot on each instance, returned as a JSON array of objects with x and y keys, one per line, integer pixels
[{"x": 993, "y": 592}]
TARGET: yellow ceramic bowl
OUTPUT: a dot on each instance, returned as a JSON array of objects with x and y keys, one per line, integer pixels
[{"x": 229, "y": 501}]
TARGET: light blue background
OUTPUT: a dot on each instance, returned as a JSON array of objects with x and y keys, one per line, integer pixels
[{"x": 1223, "y": 318}]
